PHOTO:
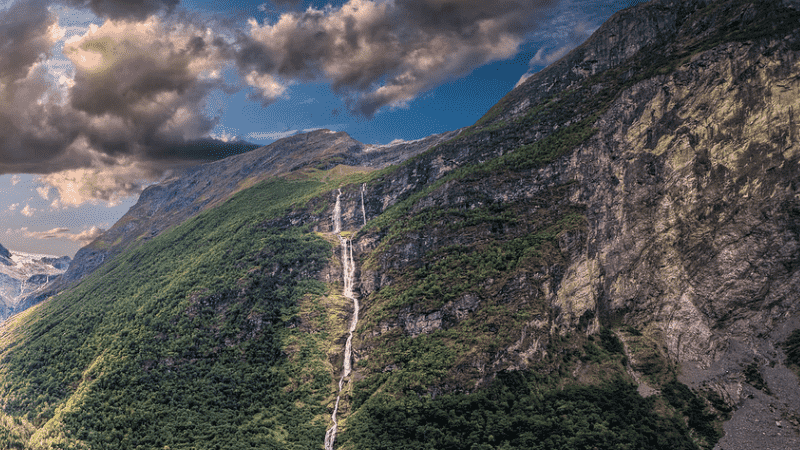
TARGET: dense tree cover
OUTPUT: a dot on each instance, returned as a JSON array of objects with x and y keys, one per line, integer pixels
[
  {"x": 699, "y": 417},
  {"x": 515, "y": 414},
  {"x": 182, "y": 342}
]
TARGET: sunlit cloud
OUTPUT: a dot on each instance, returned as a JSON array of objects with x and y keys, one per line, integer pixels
[{"x": 83, "y": 237}]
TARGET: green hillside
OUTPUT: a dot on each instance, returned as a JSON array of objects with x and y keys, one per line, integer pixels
[{"x": 197, "y": 339}]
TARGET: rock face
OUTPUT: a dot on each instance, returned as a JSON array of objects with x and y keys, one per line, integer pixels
[
  {"x": 688, "y": 187},
  {"x": 5, "y": 256}
]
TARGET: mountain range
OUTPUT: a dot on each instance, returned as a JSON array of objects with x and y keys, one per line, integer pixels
[
  {"x": 24, "y": 275},
  {"x": 609, "y": 258}
]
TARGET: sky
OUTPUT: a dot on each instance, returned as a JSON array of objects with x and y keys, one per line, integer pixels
[{"x": 101, "y": 98}]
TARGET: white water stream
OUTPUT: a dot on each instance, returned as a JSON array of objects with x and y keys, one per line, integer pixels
[
  {"x": 348, "y": 271},
  {"x": 363, "y": 211}
]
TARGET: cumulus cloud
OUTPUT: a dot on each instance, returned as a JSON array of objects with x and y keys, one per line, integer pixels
[
  {"x": 27, "y": 211},
  {"x": 386, "y": 53},
  {"x": 15, "y": 180},
  {"x": 82, "y": 237},
  {"x": 134, "y": 92},
  {"x": 137, "y": 91},
  {"x": 143, "y": 85},
  {"x": 27, "y": 32}
]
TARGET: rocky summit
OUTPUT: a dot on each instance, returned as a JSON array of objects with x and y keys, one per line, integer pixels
[{"x": 609, "y": 258}]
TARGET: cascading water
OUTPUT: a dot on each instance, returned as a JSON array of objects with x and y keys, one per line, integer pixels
[
  {"x": 363, "y": 210},
  {"x": 348, "y": 271}
]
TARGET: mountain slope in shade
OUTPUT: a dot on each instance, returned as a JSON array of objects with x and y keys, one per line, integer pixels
[{"x": 607, "y": 259}]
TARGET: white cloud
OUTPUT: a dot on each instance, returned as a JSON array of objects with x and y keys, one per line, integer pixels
[
  {"x": 523, "y": 78},
  {"x": 27, "y": 211},
  {"x": 44, "y": 192},
  {"x": 83, "y": 237},
  {"x": 13, "y": 207},
  {"x": 268, "y": 88},
  {"x": 275, "y": 135},
  {"x": 15, "y": 179}
]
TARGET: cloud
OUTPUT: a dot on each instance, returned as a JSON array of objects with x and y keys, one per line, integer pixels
[
  {"x": 133, "y": 95},
  {"x": 137, "y": 92},
  {"x": 386, "y": 53},
  {"x": 275, "y": 135},
  {"x": 82, "y": 237},
  {"x": 13, "y": 207},
  {"x": 125, "y": 9},
  {"x": 143, "y": 85},
  {"x": 547, "y": 55},
  {"x": 267, "y": 87},
  {"x": 27, "y": 211},
  {"x": 27, "y": 32},
  {"x": 15, "y": 180},
  {"x": 109, "y": 183},
  {"x": 44, "y": 192}
]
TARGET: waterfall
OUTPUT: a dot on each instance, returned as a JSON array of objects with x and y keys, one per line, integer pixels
[
  {"x": 348, "y": 274},
  {"x": 337, "y": 214},
  {"x": 363, "y": 210}
]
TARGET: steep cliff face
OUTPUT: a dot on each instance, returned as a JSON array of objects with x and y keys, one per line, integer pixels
[
  {"x": 688, "y": 197},
  {"x": 609, "y": 258}
]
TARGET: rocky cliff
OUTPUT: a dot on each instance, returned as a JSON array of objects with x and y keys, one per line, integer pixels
[{"x": 687, "y": 188}]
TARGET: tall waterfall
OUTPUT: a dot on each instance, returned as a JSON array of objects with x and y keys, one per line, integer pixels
[
  {"x": 363, "y": 210},
  {"x": 348, "y": 273}
]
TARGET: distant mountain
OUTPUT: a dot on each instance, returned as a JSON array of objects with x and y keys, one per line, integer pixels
[
  {"x": 608, "y": 259},
  {"x": 23, "y": 275}
]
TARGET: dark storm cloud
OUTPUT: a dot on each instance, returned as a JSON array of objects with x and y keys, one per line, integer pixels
[
  {"x": 386, "y": 53},
  {"x": 125, "y": 9},
  {"x": 24, "y": 38}
]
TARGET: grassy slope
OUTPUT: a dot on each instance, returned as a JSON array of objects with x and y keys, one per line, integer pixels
[{"x": 189, "y": 341}]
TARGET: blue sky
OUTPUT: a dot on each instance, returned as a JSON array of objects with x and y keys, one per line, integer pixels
[{"x": 96, "y": 94}]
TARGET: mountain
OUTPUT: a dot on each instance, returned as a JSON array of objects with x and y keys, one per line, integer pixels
[
  {"x": 607, "y": 259},
  {"x": 196, "y": 189},
  {"x": 23, "y": 275}
]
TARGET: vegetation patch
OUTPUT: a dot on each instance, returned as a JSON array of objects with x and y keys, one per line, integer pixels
[
  {"x": 516, "y": 412},
  {"x": 704, "y": 422},
  {"x": 792, "y": 348},
  {"x": 753, "y": 376}
]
